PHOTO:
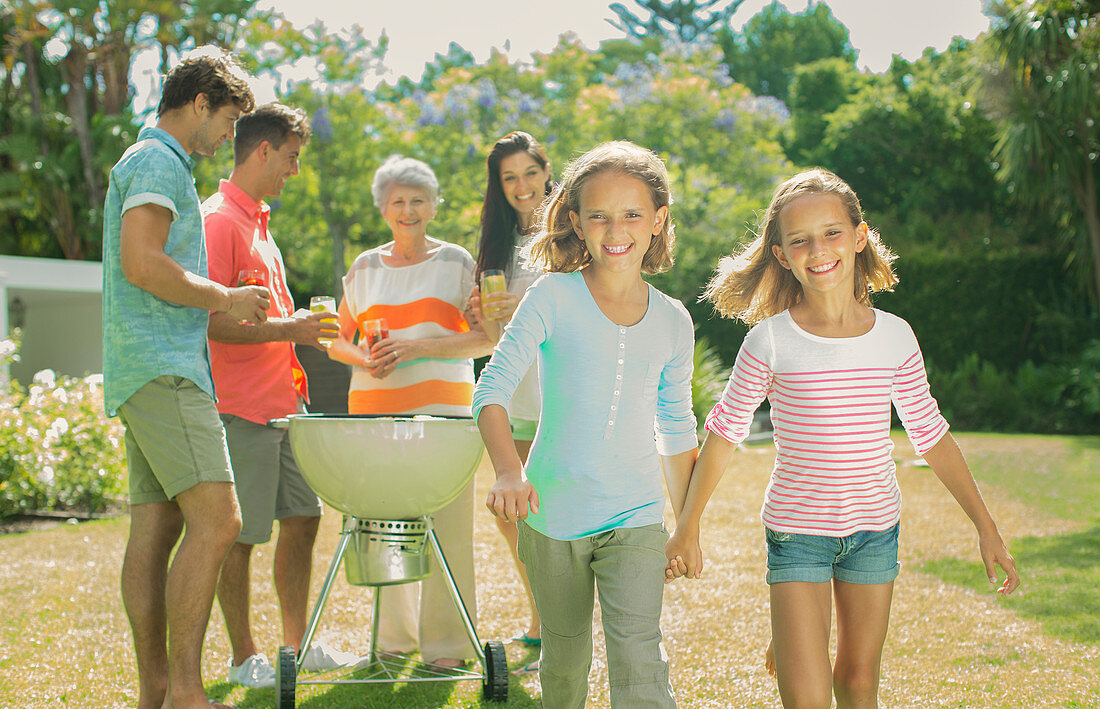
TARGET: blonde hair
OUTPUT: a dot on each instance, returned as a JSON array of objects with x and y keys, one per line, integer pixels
[
  {"x": 557, "y": 248},
  {"x": 751, "y": 284}
]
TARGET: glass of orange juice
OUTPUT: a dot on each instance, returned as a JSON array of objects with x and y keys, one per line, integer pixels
[
  {"x": 324, "y": 304},
  {"x": 492, "y": 285}
]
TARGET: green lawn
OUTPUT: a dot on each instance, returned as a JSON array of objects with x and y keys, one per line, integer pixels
[{"x": 1060, "y": 481}]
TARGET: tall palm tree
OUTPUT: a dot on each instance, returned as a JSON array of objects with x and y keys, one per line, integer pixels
[{"x": 1045, "y": 87}]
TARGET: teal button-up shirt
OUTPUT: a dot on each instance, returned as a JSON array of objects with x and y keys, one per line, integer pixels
[{"x": 145, "y": 337}]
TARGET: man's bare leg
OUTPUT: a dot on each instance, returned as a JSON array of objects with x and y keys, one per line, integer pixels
[
  {"x": 291, "y": 569},
  {"x": 212, "y": 521},
  {"x": 234, "y": 598},
  {"x": 154, "y": 529}
]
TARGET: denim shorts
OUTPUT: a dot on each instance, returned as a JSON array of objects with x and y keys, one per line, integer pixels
[{"x": 863, "y": 557}]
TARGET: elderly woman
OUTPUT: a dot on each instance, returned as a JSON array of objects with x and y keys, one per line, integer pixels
[{"x": 419, "y": 364}]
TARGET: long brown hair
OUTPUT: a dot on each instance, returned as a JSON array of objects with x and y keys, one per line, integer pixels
[
  {"x": 557, "y": 248},
  {"x": 498, "y": 219},
  {"x": 751, "y": 284}
]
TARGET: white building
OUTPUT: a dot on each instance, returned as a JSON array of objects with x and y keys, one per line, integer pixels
[{"x": 59, "y": 306}]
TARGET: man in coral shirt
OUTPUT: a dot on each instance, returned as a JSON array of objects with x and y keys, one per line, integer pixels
[{"x": 258, "y": 377}]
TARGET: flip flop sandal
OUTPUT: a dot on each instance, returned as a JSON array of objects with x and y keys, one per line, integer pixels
[
  {"x": 531, "y": 668},
  {"x": 528, "y": 641}
]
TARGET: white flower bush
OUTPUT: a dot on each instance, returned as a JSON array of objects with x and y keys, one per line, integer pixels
[{"x": 58, "y": 450}]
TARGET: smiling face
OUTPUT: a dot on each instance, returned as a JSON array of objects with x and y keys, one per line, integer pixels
[
  {"x": 820, "y": 243},
  {"x": 408, "y": 210},
  {"x": 281, "y": 164},
  {"x": 523, "y": 182},
  {"x": 617, "y": 221},
  {"x": 215, "y": 128}
]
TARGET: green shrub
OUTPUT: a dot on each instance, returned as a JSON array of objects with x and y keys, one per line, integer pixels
[
  {"x": 1047, "y": 398},
  {"x": 57, "y": 449},
  {"x": 1009, "y": 307},
  {"x": 708, "y": 379}
]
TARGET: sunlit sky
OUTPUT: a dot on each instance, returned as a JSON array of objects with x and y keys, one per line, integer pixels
[{"x": 417, "y": 30}]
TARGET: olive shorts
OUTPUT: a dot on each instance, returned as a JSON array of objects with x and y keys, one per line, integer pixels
[{"x": 174, "y": 440}]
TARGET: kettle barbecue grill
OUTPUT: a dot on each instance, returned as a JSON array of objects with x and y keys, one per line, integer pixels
[{"x": 387, "y": 474}]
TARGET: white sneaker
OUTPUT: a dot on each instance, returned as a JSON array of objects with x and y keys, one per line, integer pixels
[
  {"x": 256, "y": 672},
  {"x": 322, "y": 658}
]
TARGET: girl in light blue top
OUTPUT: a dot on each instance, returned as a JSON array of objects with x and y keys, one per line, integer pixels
[{"x": 615, "y": 364}]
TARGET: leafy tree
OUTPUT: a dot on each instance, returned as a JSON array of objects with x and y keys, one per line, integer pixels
[
  {"x": 915, "y": 147},
  {"x": 327, "y": 211},
  {"x": 66, "y": 115},
  {"x": 1044, "y": 89},
  {"x": 686, "y": 20},
  {"x": 763, "y": 56},
  {"x": 816, "y": 90}
]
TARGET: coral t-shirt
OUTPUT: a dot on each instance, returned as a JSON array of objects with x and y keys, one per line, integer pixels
[{"x": 262, "y": 381}]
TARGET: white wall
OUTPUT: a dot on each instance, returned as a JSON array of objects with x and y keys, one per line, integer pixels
[{"x": 62, "y": 309}]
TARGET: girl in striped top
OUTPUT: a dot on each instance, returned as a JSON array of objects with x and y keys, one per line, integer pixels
[{"x": 830, "y": 366}]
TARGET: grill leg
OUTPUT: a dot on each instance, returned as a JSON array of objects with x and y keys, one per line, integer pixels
[
  {"x": 456, "y": 595},
  {"x": 374, "y": 618},
  {"x": 345, "y": 539}
]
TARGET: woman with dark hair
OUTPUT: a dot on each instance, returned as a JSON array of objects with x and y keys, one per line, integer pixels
[{"x": 519, "y": 179}]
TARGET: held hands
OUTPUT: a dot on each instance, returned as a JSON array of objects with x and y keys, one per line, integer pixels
[
  {"x": 472, "y": 313},
  {"x": 685, "y": 556},
  {"x": 995, "y": 553},
  {"x": 308, "y": 328},
  {"x": 249, "y": 304},
  {"x": 511, "y": 496},
  {"x": 500, "y": 306},
  {"x": 383, "y": 357}
]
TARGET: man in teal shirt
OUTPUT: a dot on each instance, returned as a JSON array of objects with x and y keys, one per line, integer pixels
[{"x": 156, "y": 370}]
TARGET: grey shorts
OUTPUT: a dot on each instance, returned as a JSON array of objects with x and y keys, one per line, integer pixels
[
  {"x": 269, "y": 484},
  {"x": 174, "y": 440}
]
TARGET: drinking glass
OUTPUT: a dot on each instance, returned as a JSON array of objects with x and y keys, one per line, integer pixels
[
  {"x": 375, "y": 331},
  {"x": 324, "y": 304},
  {"x": 492, "y": 284},
  {"x": 252, "y": 277}
]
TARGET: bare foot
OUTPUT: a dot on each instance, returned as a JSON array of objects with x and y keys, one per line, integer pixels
[{"x": 769, "y": 659}]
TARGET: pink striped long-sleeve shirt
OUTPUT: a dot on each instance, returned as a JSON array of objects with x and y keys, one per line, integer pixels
[{"x": 830, "y": 408}]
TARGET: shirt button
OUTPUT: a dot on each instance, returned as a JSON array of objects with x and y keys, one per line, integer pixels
[
  {"x": 620, "y": 361},
  {"x": 613, "y": 408},
  {"x": 618, "y": 376},
  {"x": 622, "y": 345},
  {"x": 622, "y": 330},
  {"x": 616, "y": 394},
  {"x": 610, "y": 423}
]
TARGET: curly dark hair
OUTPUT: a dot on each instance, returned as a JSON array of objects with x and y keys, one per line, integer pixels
[{"x": 210, "y": 71}]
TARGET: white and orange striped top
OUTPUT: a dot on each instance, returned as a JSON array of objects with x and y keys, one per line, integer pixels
[
  {"x": 419, "y": 301},
  {"x": 830, "y": 409}
]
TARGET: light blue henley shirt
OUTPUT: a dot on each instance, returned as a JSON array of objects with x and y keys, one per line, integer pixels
[{"x": 614, "y": 398}]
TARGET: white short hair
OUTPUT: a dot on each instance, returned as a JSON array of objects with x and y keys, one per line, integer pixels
[{"x": 398, "y": 170}]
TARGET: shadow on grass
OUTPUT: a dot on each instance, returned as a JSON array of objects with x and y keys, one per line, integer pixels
[
  {"x": 418, "y": 695},
  {"x": 1059, "y": 577},
  {"x": 407, "y": 695}
]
